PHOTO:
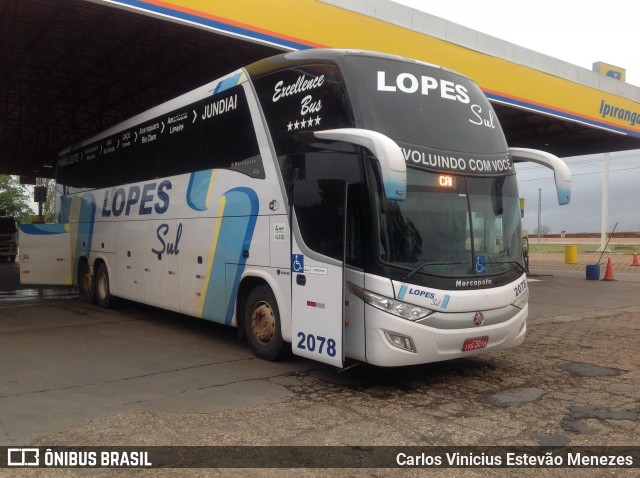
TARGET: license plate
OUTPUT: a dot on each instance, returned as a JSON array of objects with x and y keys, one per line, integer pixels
[{"x": 475, "y": 344}]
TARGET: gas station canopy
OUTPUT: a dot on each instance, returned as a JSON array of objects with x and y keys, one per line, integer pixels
[{"x": 72, "y": 68}]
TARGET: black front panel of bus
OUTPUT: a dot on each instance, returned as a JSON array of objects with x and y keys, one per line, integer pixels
[
  {"x": 301, "y": 99},
  {"x": 426, "y": 109}
]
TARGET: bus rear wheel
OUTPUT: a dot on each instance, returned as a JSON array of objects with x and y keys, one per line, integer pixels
[
  {"x": 102, "y": 288},
  {"x": 86, "y": 283},
  {"x": 262, "y": 325}
]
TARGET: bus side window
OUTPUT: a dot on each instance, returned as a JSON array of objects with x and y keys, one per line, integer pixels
[
  {"x": 355, "y": 224},
  {"x": 140, "y": 164},
  {"x": 319, "y": 202},
  {"x": 180, "y": 149},
  {"x": 228, "y": 139}
]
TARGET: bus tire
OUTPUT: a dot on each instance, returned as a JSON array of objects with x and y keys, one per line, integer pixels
[
  {"x": 262, "y": 324},
  {"x": 86, "y": 284},
  {"x": 102, "y": 287}
]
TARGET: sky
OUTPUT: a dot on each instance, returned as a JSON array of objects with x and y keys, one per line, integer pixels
[{"x": 581, "y": 33}]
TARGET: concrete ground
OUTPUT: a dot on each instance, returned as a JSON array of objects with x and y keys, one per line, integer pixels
[
  {"x": 620, "y": 263},
  {"x": 78, "y": 375}
]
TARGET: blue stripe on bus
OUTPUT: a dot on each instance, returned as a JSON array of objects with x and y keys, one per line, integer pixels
[
  {"x": 65, "y": 206},
  {"x": 86, "y": 220},
  {"x": 236, "y": 232},
  {"x": 228, "y": 83},
  {"x": 44, "y": 229},
  {"x": 198, "y": 189}
]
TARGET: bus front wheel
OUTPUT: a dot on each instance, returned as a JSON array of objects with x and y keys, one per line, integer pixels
[
  {"x": 262, "y": 324},
  {"x": 103, "y": 290}
]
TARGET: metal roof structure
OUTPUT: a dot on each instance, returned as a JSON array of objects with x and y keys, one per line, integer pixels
[{"x": 71, "y": 68}]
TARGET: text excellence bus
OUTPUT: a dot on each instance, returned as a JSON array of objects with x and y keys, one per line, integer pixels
[{"x": 340, "y": 204}]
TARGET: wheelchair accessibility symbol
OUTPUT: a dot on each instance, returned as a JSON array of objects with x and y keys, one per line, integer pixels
[
  {"x": 480, "y": 264},
  {"x": 297, "y": 263}
]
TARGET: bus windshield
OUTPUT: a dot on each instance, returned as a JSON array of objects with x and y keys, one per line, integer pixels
[
  {"x": 461, "y": 215},
  {"x": 452, "y": 225}
]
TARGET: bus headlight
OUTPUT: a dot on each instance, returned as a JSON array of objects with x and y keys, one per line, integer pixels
[
  {"x": 393, "y": 306},
  {"x": 522, "y": 300}
]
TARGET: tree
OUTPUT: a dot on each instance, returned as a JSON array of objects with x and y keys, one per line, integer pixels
[
  {"x": 49, "y": 206},
  {"x": 15, "y": 198},
  {"x": 544, "y": 229}
]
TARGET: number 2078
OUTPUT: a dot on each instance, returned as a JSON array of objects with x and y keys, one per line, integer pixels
[{"x": 316, "y": 343}]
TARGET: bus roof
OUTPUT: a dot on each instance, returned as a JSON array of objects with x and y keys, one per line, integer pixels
[{"x": 329, "y": 55}]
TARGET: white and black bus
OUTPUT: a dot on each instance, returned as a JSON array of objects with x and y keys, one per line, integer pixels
[{"x": 340, "y": 204}]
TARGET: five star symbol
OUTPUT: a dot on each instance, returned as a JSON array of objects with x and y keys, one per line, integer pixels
[{"x": 304, "y": 123}]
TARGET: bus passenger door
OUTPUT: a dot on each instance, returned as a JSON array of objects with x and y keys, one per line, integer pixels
[{"x": 317, "y": 269}]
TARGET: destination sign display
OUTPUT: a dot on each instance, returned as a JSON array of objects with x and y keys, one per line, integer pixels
[{"x": 460, "y": 163}]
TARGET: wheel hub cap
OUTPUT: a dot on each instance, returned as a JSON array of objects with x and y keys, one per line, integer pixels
[{"x": 263, "y": 323}]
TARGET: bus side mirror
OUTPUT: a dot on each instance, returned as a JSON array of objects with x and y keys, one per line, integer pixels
[
  {"x": 560, "y": 169},
  {"x": 386, "y": 151}
]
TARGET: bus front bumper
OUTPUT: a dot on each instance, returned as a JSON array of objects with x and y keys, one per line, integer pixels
[{"x": 392, "y": 341}]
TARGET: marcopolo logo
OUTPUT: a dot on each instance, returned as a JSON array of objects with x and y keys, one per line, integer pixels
[{"x": 474, "y": 283}]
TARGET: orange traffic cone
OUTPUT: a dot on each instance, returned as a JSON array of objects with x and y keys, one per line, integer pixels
[
  {"x": 609, "y": 274},
  {"x": 635, "y": 259}
]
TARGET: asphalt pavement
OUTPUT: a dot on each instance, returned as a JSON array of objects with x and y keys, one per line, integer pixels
[{"x": 75, "y": 374}]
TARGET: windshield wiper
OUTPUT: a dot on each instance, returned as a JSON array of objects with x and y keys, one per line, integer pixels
[
  {"x": 425, "y": 264},
  {"x": 512, "y": 262}
]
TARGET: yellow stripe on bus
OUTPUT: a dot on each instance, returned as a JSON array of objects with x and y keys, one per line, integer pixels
[
  {"x": 212, "y": 253},
  {"x": 210, "y": 190}
]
